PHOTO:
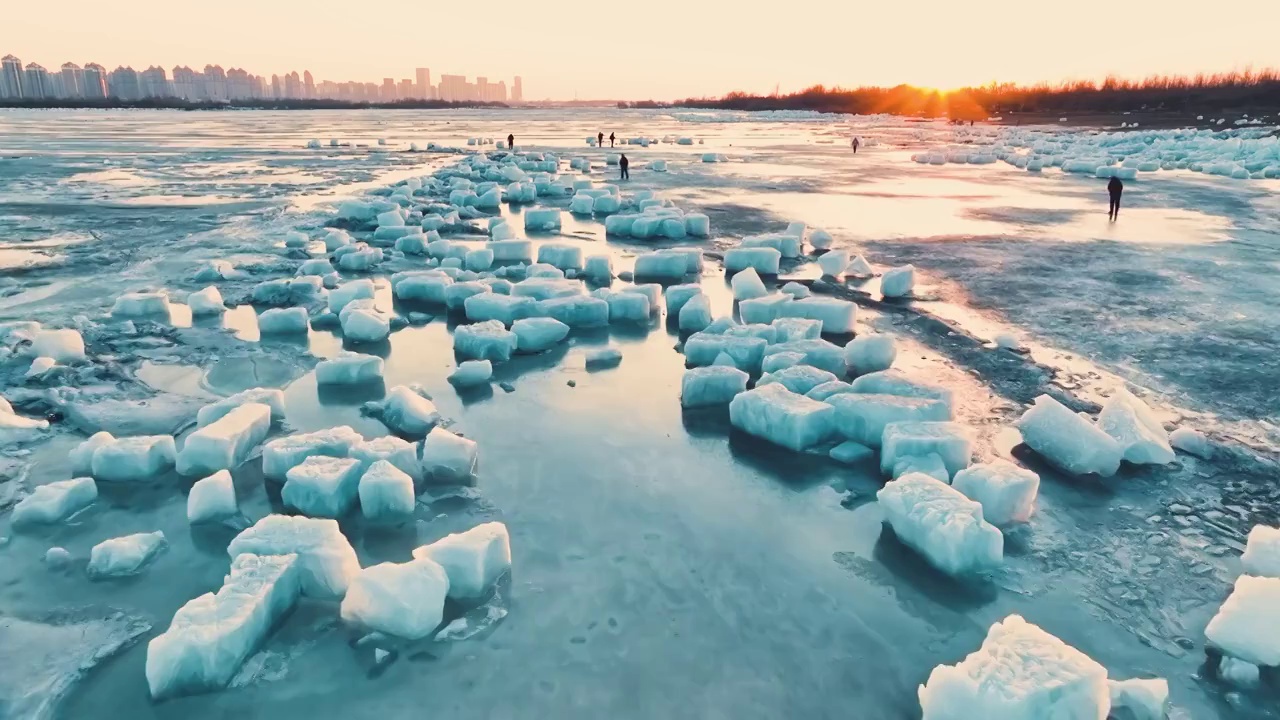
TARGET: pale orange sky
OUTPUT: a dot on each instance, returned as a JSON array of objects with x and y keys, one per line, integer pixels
[{"x": 659, "y": 49}]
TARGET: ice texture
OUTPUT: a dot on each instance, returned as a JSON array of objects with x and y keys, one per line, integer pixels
[
  {"x": 212, "y": 498},
  {"x": 215, "y": 411},
  {"x": 404, "y": 600},
  {"x": 798, "y": 379},
  {"x": 818, "y": 353},
  {"x": 764, "y": 260},
  {"x": 385, "y": 491},
  {"x": 127, "y": 555},
  {"x": 1006, "y": 492},
  {"x": 1142, "y": 438},
  {"x": 862, "y": 417},
  {"x": 782, "y": 417},
  {"x": 282, "y": 454},
  {"x": 326, "y": 561},
  {"x": 1021, "y": 672},
  {"x": 503, "y": 308},
  {"x": 1071, "y": 443},
  {"x": 837, "y": 316},
  {"x": 1247, "y": 626},
  {"x": 227, "y": 442},
  {"x": 893, "y": 382},
  {"x": 748, "y": 285},
  {"x": 212, "y": 635},
  {"x": 322, "y": 486},
  {"x": 870, "y": 353},
  {"x": 576, "y": 310},
  {"x": 747, "y": 353},
  {"x": 473, "y": 560},
  {"x": 408, "y": 413},
  {"x": 898, "y": 282},
  {"x": 715, "y": 385},
  {"x": 349, "y": 368},
  {"x": 951, "y": 441},
  {"x": 133, "y": 459},
  {"x": 696, "y": 314},
  {"x": 488, "y": 340},
  {"x": 538, "y": 334},
  {"x": 55, "y": 501},
  {"x": 448, "y": 458}
]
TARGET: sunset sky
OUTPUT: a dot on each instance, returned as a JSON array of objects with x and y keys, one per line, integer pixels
[{"x": 661, "y": 49}]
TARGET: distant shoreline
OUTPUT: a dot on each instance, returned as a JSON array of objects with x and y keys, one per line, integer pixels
[{"x": 179, "y": 104}]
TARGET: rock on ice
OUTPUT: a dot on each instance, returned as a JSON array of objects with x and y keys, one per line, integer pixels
[
  {"x": 211, "y": 635},
  {"x": 224, "y": 444},
  {"x": 538, "y": 334},
  {"x": 714, "y": 385},
  {"x": 349, "y": 368},
  {"x": 282, "y": 454},
  {"x": 55, "y": 501},
  {"x": 386, "y": 491},
  {"x": 951, "y": 441},
  {"x": 488, "y": 340},
  {"x": 863, "y": 417},
  {"x": 1020, "y": 673},
  {"x": 1068, "y": 441},
  {"x": 898, "y": 282},
  {"x": 473, "y": 560},
  {"x": 126, "y": 555},
  {"x": 870, "y": 353},
  {"x": 134, "y": 459},
  {"x": 404, "y": 600},
  {"x": 782, "y": 417},
  {"x": 326, "y": 561},
  {"x": 448, "y": 458},
  {"x": 1006, "y": 492},
  {"x": 212, "y": 498}
]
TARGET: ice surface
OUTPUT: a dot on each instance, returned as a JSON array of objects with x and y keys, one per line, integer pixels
[
  {"x": 898, "y": 282},
  {"x": 400, "y": 599},
  {"x": 702, "y": 349},
  {"x": 284, "y": 321},
  {"x": 206, "y": 302},
  {"x": 798, "y": 379},
  {"x": 1068, "y": 441},
  {"x": 127, "y": 555},
  {"x": 893, "y": 382},
  {"x": 133, "y": 459},
  {"x": 227, "y": 442},
  {"x": 386, "y": 491},
  {"x": 1262, "y": 552},
  {"x": 538, "y": 334},
  {"x": 212, "y": 498},
  {"x": 271, "y": 397},
  {"x": 349, "y": 368},
  {"x": 1144, "y": 699},
  {"x": 55, "y": 501},
  {"x": 714, "y": 385},
  {"x": 282, "y": 454},
  {"x": 407, "y": 412},
  {"x": 141, "y": 304},
  {"x": 837, "y": 316},
  {"x": 471, "y": 373},
  {"x": 64, "y": 346},
  {"x": 212, "y": 635},
  {"x": 1247, "y": 626},
  {"x": 782, "y": 417},
  {"x": 862, "y": 417},
  {"x": 1191, "y": 441},
  {"x": 764, "y": 260},
  {"x": 695, "y": 315},
  {"x": 488, "y": 340},
  {"x": 326, "y": 561},
  {"x": 870, "y": 353},
  {"x": 818, "y": 353},
  {"x": 1020, "y": 673},
  {"x": 575, "y": 310},
  {"x": 448, "y": 458},
  {"x": 473, "y": 560},
  {"x": 951, "y": 441},
  {"x": 504, "y": 308},
  {"x": 1006, "y": 492},
  {"x": 747, "y": 285},
  {"x": 1141, "y": 437}
]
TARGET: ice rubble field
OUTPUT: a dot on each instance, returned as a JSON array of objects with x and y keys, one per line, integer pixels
[{"x": 790, "y": 367}]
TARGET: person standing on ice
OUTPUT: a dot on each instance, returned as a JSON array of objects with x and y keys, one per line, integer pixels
[
  {"x": 600, "y": 139},
  {"x": 855, "y": 145},
  {"x": 610, "y": 139},
  {"x": 1115, "y": 187},
  {"x": 511, "y": 142},
  {"x": 623, "y": 162}
]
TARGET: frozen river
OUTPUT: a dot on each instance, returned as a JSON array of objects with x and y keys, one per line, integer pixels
[{"x": 663, "y": 566}]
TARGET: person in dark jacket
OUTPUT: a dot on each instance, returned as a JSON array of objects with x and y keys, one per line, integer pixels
[
  {"x": 856, "y": 143},
  {"x": 610, "y": 139},
  {"x": 600, "y": 139},
  {"x": 1115, "y": 187},
  {"x": 511, "y": 142},
  {"x": 623, "y": 164}
]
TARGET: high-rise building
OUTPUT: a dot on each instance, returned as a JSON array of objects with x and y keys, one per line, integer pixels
[
  {"x": 239, "y": 84},
  {"x": 308, "y": 84},
  {"x": 154, "y": 83},
  {"x": 500, "y": 92},
  {"x": 187, "y": 83},
  {"x": 71, "y": 78},
  {"x": 277, "y": 87},
  {"x": 422, "y": 88},
  {"x": 36, "y": 82},
  {"x": 123, "y": 83},
  {"x": 10, "y": 78},
  {"x": 517, "y": 90},
  {"x": 406, "y": 90},
  {"x": 388, "y": 89},
  {"x": 455, "y": 88},
  {"x": 215, "y": 83},
  {"x": 292, "y": 85},
  {"x": 95, "y": 81}
]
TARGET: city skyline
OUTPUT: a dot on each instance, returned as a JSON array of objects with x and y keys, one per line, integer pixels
[{"x": 33, "y": 81}]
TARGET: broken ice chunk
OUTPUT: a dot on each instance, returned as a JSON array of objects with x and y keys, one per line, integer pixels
[
  {"x": 448, "y": 458},
  {"x": 140, "y": 304},
  {"x": 385, "y": 491},
  {"x": 538, "y": 334},
  {"x": 212, "y": 498},
  {"x": 326, "y": 560},
  {"x": 798, "y": 378},
  {"x": 349, "y": 368},
  {"x": 1006, "y": 492},
  {"x": 951, "y": 441},
  {"x": 401, "y": 599},
  {"x": 1144, "y": 699},
  {"x": 898, "y": 282},
  {"x": 55, "y": 501},
  {"x": 270, "y": 397},
  {"x": 488, "y": 340},
  {"x": 133, "y": 459},
  {"x": 473, "y": 560},
  {"x": 471, "y": 373},
  {"x": 863, "y": 417},
  {"x": 322, "y": 486},
  {"x": 1245, "y": 627},
  {"x": 224, "y": 444},
  {"x": 408, "y": 413},
  {"x": 782, "y": 417},
  {"x": 126, "y": 555},
  {"x": 1262, "y": 552},
  {"x": 64, "y": 346},
  {"x": 870, "y": 353},
  {"x": 281, "y": 454},
  {"x": 1068, "y": 441},
  {"x": 1141, "y": 436},
  {"x": 705, "y": 386}
]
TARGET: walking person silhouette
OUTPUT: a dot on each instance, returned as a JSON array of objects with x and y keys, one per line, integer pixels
[
  {"x": 600, "y": 139},
  {"x": 623, "y": 164},
  {"x": 610, "y": 139},
  {"x": 511, "y": 142},
  {"x": 1115, "y": 188}
]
